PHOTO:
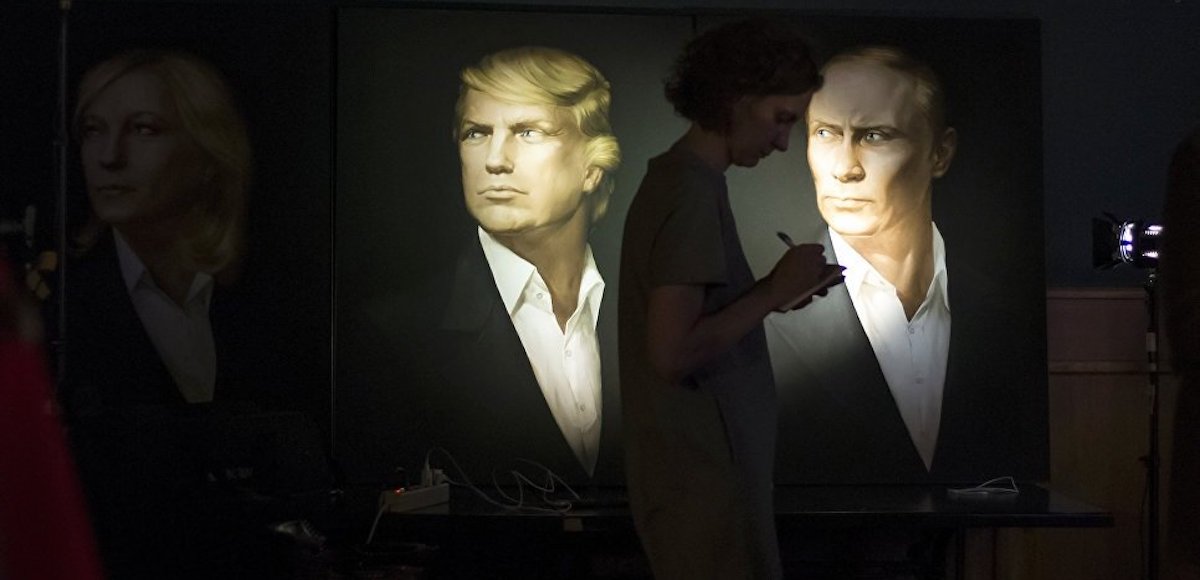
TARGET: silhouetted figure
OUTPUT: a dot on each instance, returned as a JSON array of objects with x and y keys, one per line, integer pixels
[
  {"x": 1180, "y": 270},
  {"x": 696, "y": 386},
  {"x": 44, "y": 528}
]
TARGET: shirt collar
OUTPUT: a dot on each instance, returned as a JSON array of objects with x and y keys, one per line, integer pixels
[
  {"x": 513, "y": 274},
  {"x": 859, "y": 270},
  {"x": 132, "y": 268},
  {"x": 134, "y": 272}
]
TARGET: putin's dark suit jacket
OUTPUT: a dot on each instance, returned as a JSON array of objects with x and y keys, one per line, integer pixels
[
  {"x": 444, "y": 367},
  {"x": 839, "y": 423}
]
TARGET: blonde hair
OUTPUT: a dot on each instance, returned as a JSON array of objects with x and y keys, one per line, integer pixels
[
  {"x": 209, "y": 115},
  {"x": 930, "y": 97},
  {"x": 536, "y": 75}
]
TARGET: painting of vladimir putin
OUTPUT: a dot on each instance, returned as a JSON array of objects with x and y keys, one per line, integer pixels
[
  {"x": 499, "y": 358},
  {"x": 899, "y": 375}
]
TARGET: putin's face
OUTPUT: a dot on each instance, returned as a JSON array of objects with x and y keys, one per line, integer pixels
[
  {"x": 872, "y": 152},
  {"x": 524, "y": 169}
]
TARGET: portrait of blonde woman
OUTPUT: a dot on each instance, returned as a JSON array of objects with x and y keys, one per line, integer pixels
[
  {"x": 157, "y": 331},
  {"x": 166, "y": 163}
]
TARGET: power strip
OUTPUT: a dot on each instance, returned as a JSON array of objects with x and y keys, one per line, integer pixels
[{"x": 404, "y": 499}]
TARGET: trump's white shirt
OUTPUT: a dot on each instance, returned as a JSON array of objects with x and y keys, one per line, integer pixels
[{"x": 566, "y": 361}]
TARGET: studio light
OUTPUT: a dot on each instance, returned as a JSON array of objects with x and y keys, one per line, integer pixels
[{"x": 1117, "y": 241}]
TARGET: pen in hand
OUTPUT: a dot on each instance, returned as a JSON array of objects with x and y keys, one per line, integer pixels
[{"x": 831, "y": 276}]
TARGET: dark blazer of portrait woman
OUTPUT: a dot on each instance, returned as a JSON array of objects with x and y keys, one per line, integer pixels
[{"x": 167, "y": 164}]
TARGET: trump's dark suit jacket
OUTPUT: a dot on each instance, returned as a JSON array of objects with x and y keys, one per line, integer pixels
[
  {"x": 839, "y": 423},
  {"x": 443, "y": 366}
]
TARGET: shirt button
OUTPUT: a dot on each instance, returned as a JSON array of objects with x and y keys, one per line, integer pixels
[
  {"x": 582, "y": 408},
  {"x": 540, "y": 296},
  {"x": 912, "y": 331},
  {"x": 568, "y": 353}
]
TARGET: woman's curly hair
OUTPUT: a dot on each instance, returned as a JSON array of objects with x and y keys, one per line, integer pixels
[{"x": 745, "y": 58}]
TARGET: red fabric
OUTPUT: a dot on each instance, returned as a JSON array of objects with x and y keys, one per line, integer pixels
[{"x": 44, "y": 530}]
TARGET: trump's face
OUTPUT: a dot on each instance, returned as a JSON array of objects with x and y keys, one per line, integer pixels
[
  {"x": 140, "y": 164},
  {"x": 872, "y": 151},
  {"x": 524, "y": 169}
]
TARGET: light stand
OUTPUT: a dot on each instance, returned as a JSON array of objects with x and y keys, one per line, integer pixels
[
  {"x": 61, "y": 143},
  {"x": 1115, "y": 242},
  {"x": 1152, "y": 458}
]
